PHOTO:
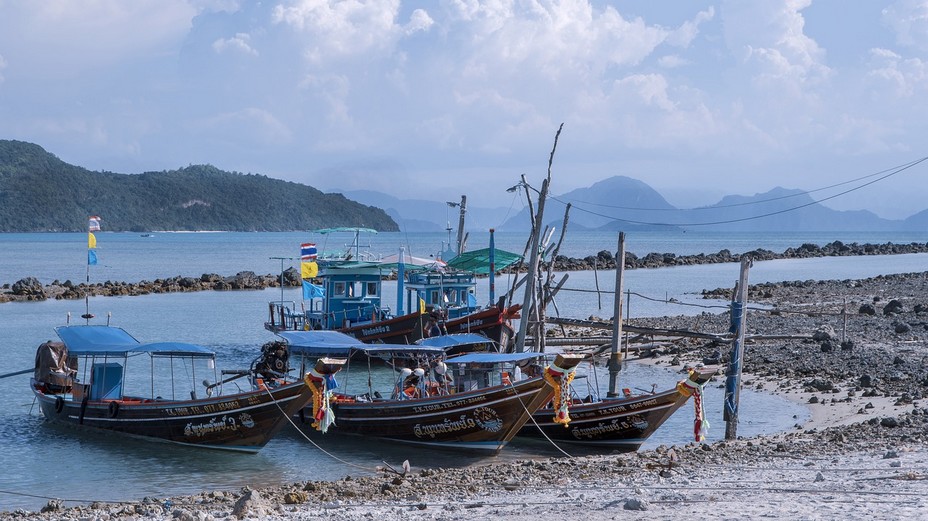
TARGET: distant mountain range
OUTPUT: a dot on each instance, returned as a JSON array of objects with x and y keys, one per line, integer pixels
[
  {"x": 39, "y": 192},
  {"x": 624, "y": 204}
]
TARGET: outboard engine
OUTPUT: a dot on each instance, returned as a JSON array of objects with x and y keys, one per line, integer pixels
[{"x": 274, "y": 360}]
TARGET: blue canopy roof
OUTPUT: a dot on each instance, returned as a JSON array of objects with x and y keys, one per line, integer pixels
[
  {"x": 115, "y": 341},
  {"x": 492, "y": 358},
  {"x": 399, "y": 350},
  {"x": 320, "y": 343},
  {"x": 454, "y": 340}
]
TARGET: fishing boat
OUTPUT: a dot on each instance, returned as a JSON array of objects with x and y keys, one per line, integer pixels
[
  {"x": 101, "y": 378},
  {"x": 621, "y": 423},
  {"x": 449, "y": 294},
  {"x": 468, "y": 402},
  {"x": 342, "y": 292}
]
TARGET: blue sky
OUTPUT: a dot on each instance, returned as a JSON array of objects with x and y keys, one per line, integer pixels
[{"x": 428, "y": 98}]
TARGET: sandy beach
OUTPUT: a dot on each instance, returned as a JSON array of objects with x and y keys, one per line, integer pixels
[{"x": 863, "y": 454}]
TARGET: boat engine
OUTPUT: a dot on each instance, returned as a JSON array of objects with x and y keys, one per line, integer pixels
[{"x": 274, "y": 360}]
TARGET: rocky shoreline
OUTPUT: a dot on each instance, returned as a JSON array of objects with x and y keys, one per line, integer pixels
[
  {"x": 31, "y": 289},
  {"x": 863, "y": 456}
]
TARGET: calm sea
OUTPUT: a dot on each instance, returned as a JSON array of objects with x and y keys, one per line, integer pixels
[{"x": 40, "y": 460}]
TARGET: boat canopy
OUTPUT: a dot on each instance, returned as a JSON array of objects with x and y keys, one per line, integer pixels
[
  {"x": 478, "y": 261},
  {"x": 492, "y": 358},
  {"x": 320, "y": 343},
  {"x": 399, "y": 350},
  {"x": 115, "y": 341},
  {"x": 345, "y": 229},
  {"x": 454, "y": 340}
]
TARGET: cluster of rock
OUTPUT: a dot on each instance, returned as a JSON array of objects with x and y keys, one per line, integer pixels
[
  {"x": 605, "y": 260},
  {"x": 30, "y": 288},
  {"x": 875, "y": 353}
]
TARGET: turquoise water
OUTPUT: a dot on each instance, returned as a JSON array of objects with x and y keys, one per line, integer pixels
[{"x": 41, "y": 460}]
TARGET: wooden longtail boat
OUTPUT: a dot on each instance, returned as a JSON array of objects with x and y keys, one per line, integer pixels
[
  {"x": 622, "y": 423},
  {"x": 240, "y": 421},
  {"x": 478, "y": 408}
]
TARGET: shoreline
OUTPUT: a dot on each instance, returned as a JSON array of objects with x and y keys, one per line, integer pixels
[
  {"x": 31, "y": 289},
  {"x": 842, "y": 463}
]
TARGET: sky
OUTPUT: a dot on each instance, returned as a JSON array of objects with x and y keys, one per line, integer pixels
[{"x": 435, "y": 99}]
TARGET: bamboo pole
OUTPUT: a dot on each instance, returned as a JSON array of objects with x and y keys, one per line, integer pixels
[{"x": 733, "y": 380}]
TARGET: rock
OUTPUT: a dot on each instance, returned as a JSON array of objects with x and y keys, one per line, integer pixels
[
  {"x": 29, "y": 287},
  {"x": 823, "y": 333},
  {"x": 53, "y": 505},
  {"x": 893, "y": 307},
  {"x": 249, "y": 504},
  {"x": 889, "y": 421},
  {"x": 866, "y": 381},
  {"x": 295, "y": 497},
  {"x": 902, "y": 328},
  {"x": 847, "y": 345},
  {"x": 819, "y": 477},
  {"x": 890, "y": 454},
  {"x": 636, "y": 504},
  {"x": 867, "y": 309}
]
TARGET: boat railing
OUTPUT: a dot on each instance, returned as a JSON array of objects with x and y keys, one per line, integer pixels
[{"x": 284, "y": 317}]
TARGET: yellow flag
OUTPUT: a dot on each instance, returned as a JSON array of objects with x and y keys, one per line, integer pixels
[
  {"x": 91, "y": 240},
  {"x": 308, "y": 270},
  {"x": 421, "y": 306}
]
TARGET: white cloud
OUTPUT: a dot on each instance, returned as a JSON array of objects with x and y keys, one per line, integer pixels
[
  {"x": 249, "y": 124},
  {"x": 332, "y": 29},
  {"x": 904, "y": 78},
  {"x": 240, "y": 43},
  {"x": 61, "y": 38},
  {"x": 909, "y": 20},
  {"x": 418, "y": 21}
]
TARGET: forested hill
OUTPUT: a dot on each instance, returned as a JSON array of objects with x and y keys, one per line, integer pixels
[{"x": 39, "y": 192}]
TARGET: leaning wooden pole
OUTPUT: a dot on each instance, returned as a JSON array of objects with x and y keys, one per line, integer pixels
[
  {"x": 733, "y": 376},
  {"x": 530, "y": 286},
  {"x": 615, "y": 357}
]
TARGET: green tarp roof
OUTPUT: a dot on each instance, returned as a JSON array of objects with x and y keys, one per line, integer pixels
[{"x": 478, "y": 261}]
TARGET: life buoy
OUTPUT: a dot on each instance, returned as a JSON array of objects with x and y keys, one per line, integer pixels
[
  {"x": 114, "y": 409},
  {"x": 59, "y": 404}
]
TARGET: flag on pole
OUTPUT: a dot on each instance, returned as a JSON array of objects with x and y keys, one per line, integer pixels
[
  {"x": 308, "y": 267},
  {"x": 309, "y": 270},
  {"x": 93, "y": 225},
  {"x": 311, "y": 291},
  {"x": 308, "y": 252}
]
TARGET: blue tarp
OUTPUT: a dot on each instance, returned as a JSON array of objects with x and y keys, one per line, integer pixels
[
  {"x": 454, "y": 340},
  {"x": 400, "y": 350},
  {"x": 114, "y": 341},
  {"x": 492, "y": 358},
  {"x": 320, "y": 343}
]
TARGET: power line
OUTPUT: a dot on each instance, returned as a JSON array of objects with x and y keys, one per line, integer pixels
[{"x": 892, "y": 171}]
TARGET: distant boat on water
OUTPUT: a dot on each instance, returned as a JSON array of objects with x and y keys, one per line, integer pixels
[{"x": 147, "y": 235}]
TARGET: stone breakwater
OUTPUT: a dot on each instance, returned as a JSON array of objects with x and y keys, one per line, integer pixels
[
  {"x": 31, "y": 288},
  {"x": 605, "y": 260}
]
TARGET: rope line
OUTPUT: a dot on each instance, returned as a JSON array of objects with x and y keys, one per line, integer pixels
[{"x": 316, "y": 445}]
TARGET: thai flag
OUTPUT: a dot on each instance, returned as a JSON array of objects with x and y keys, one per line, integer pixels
[
  {"x": 94, "y": 223},
  {"x": 308, "y": 252}
]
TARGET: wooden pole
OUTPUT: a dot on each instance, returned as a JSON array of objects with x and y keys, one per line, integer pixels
[
  {"x": 615, "y": 358},
  {"x": 733, "y": 376},
  {"x": 530, "y": 288}
]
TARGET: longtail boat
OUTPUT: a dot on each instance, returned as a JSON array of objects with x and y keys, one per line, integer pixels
[
  {"x": 467, "y": 402},
  {"x": 85, "y": 380}
]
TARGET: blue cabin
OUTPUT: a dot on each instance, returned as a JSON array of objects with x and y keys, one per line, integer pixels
[
  {"x": 352, "y": 296},
  {"x": 455, "y": 292}
]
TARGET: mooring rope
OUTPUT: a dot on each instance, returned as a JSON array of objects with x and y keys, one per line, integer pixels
[{"x": 316, "y": 445}]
